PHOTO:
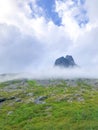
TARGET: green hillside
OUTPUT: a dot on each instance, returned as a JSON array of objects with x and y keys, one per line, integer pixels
[{"x": 56, "y": 105}]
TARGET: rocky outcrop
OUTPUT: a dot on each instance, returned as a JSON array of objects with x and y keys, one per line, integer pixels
[{"x": 65, "y": 62}]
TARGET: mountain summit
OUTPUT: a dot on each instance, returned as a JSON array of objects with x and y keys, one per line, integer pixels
[{"x": 65, "y": 62}]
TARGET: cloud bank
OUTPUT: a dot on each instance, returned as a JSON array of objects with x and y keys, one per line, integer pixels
[{"x": 33, "y": 35}]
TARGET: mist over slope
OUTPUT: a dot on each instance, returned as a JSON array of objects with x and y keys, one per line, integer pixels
[{"x": 52, "y": 73}]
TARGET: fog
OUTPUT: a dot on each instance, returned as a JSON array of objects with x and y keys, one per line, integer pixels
[
  {"x": 57, "y": 73},
  {"x": 52, "y": 74}
]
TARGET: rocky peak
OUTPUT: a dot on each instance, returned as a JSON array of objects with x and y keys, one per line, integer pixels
[{"x": 65, "y": 62}]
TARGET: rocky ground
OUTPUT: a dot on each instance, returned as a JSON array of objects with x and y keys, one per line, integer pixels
[{"x": 53, "y": 104}]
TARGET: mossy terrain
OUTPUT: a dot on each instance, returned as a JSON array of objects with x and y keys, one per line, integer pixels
[{"x": 56, "y": 105}]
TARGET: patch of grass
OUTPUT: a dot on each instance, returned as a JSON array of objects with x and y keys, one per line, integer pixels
[{"x": 63, "y": 108}]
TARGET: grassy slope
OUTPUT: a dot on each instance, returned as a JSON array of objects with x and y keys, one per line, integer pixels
[{"x": 63, "y": 108}]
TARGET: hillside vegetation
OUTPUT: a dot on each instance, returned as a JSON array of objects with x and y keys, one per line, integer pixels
[{"x": 49, "y": 105}]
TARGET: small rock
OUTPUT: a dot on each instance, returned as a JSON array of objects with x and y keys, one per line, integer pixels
[
  {"x": 18, "y": 100},
  {"x": 11, "y": 98},
  {"x": 10, "y": 112},
  {"x": 30, "y": 94},
  {"x": 2, "y": 99},
  {"x": 80, "y": 99},
  {"x": 40, "y": 100}
]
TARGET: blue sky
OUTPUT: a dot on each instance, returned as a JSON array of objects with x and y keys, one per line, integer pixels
[
  {"x": 49, "y": 9},
  {"x": 34, "y": 32},
  {"x": 50, "y": 13}
]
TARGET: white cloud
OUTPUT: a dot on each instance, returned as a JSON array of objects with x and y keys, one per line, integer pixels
[
  {"x": 67, "y": 11},
  {"x": 17, "y": 50},
  {"x": 28, "y": 41},
  {"x": 92, "y": 8}
]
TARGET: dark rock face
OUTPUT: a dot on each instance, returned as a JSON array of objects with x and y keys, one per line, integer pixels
[{"x": 68, "y": 61}]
